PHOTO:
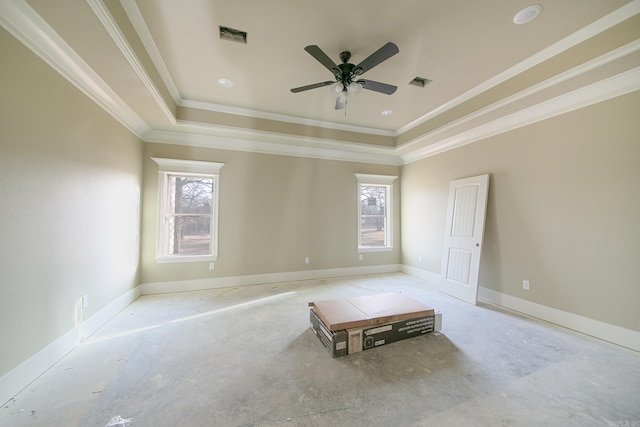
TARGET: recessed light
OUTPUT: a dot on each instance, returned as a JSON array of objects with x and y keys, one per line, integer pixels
[
  {"x": 225, "y": 82},
  {"x": 386, "y": 112},
  {"x": 527, "y": 14}
]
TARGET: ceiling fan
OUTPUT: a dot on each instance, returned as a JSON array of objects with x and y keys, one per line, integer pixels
[{"x": 347, "y": 75}]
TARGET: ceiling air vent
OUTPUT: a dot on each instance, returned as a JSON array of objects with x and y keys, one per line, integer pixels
[
  {"x": 420, "y": 82},
  {"x": 233, "y": 35}
]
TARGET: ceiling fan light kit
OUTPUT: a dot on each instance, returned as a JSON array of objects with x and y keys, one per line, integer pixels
[{"x": 347, "y": 74}]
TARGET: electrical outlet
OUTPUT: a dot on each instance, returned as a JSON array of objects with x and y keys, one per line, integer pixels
[
  {"x": 306, "y": 260},
  {"x": 420, "y": 258},
  {"x": 360, "y": 257},
  {"x": 525, "y": 284},
  {"x": 85, "y": 301},
  {"x": 212, "y": 266}
]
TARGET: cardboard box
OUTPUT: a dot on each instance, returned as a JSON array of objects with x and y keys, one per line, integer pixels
[
  {"x": 349, "y": 341},
  {"x": 437, "y": 326},
  {"x": 334, "y": 341},
  {"x": 375, "y": 336},
  {"x": 369, "y": 310}
]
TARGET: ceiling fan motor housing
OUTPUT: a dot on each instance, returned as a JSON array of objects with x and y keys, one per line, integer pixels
[{"x": 346, "y": 72}]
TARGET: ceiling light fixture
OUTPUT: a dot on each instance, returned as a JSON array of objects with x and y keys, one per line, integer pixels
[
  {"x": 527, "y": 14},
  {"x": 225, "y": 82},
  {"x": 341, "y": 90}
]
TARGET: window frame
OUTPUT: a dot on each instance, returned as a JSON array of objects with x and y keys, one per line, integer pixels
[
  {"x": 176, "y": 167},
  {"x": 385, "y": 181}
]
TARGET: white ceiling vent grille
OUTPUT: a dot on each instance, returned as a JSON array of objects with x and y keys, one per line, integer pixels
[{"x": 233, "y": 35}]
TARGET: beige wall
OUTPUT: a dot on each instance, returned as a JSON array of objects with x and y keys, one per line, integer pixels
[
  {"x": 274, "y": 212},
  {"x": 563, "y": 211},
  {"x": 70, "y": 179}
]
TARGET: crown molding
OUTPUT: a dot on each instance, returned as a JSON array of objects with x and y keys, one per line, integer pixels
[
  {"x": 283, "y": 118},
  {"x": 19, "y": 19},
  {"x": 601, "y": 91},
  {"x": 600, "y": 61},
  {"x": 132, "y": 11},
  {"x": 28, "y": 27},
  {"x": 617, "y": 16},
  {"x": 383, "y": 156},
  {"x": 104, "y": 16}
]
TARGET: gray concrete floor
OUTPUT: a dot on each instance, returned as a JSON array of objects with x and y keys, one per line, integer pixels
[{"x": 246, "y": 357}]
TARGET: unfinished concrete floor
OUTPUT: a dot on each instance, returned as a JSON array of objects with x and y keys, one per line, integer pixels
[{"x": 246, "y": 356}]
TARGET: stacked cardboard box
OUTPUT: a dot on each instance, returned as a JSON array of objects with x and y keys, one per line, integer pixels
[{"x": 354, "y": 324}]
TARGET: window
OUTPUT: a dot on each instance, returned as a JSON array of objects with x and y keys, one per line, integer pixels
[
  {"x": 375, "y": 212},
  {"x": 188, "y": 210}
]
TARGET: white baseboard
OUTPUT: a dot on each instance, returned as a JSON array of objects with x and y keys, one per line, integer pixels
[
  {"x": 595, "y": 328},
  {"x": 256, "y": 279},
  {"x": 430, "y": 277},
  {"x": 24, "y": 374},
  {"x": 21, "y": 376}
]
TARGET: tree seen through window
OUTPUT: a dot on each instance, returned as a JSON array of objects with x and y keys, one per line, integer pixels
[{"x": 189, "y": 215}]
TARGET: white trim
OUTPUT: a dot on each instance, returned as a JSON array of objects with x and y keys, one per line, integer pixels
[
  {"x": 367, "y": 249},
  {"x": 113, "y": 30},
  {"x": 347, "y": 152},
  {"x": 165, "y": 259},
  {"x": 257, "y": 279},
  {"x": 375, "y": 179},
  {"x": 188, "y": 166},
  {"x": 17, "y": 17},
  {"x": 602, "y": 60},
  {"x": 25, "y": 373},
  {"x": 288, "y": 140},
  {"x": 208, "y": 106},
  {"x": 28, "y": 27},
  {"x": 167, "y": 167},
  {"x": 385, "y": 181},
  {"x": 630, "y": 9},
  {"x": 595, "y": 328},
  {"x": 621, "y": 84},
  {"x": 432, "y": 278},
  {"x": 602, "y": 24},
  {"x": 132, "y": 11}
]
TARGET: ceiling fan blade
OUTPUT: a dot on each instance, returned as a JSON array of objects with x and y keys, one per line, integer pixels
[
  {"x": 377, "y": 86},
  {"x": 313, "y": 86},
  {"x": 321, "y": 57},
  {"x": 382, "y": 54}
]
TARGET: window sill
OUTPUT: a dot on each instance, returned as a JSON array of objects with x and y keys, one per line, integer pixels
[
  {"x": 185, "y": 258},
  {"x": 375, "y": 248}
]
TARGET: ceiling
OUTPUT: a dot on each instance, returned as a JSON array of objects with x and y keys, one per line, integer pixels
[{"x": 155, "y": 66}]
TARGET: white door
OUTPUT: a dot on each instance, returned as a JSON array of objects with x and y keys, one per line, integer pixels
[{"x": 463, "y": 237}]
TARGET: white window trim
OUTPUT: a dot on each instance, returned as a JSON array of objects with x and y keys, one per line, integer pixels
[
  {"x": 194, "y": 168},
  {"x": 386, "y": 180}
]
